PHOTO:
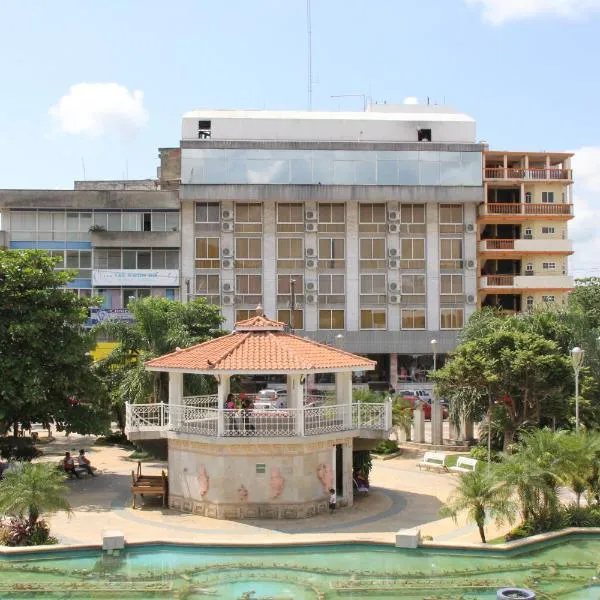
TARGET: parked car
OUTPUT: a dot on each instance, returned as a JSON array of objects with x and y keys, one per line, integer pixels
[{"x": 273, "y": 398}]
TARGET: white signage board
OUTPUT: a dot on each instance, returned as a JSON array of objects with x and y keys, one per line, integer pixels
[{"x": 137, "y": 277}]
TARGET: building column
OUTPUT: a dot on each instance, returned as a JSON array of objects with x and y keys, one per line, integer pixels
[
  {"x": 269, "y": 277},
  {"x": 347, "y": 462},
  {"x": 295, "y": 400},
  {"x": 418, "y": 425},
  {"x": 432, "y": 253},
  {"x": 343, "y": 397},
  {"x": 437, "y": 420},
  {"x": 466, "y": 429},
  {"x": 175, "y": 398},
  {"x": 352, "y": 268},
  {"x": 454, "y": 432},
  {"x": 470, "y": 252},
  {"x": 393, "y": 370},
  {"x": 188, "y": 248},
  {"x": 222, "y": 393}
]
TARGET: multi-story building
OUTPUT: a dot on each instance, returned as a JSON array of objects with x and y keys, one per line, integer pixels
[
  {"x": 524, "y": 245},
  {"x": 394, "y": 225},
  {"x": 372, "y": 214}
]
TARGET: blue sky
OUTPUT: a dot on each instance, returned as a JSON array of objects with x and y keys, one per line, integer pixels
[{"x": 525, "y": 69}]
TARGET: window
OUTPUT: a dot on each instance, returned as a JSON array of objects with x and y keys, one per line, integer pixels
[
  {"x": 165, "y": 259},
  {"x": 548, "y": 197},
  {"x": 248, "y": 289},
  {"x": 132, "y": 221},
  {"x": 243, "y": 314},
  {"x": 207, "y": 253},
  {"x": 372, "y": 318},
  {"x": 284, "y": 294},
  {"x": 424, "y": 135},
  {"x": 290, "y": 218},
  {"x": 549, "y": 266},
  {"x": 285, "y": 316},
  {"x": 78, "y": 260},
  {"x": 204, "y": 130},
  {"x": 372, "y": 253},
  {"x": 412, "y": 218},
  {"x": 331, "y": 253},
  {"x": 451, "y": 284},
  {"x": 290, "y": 253},
  {"x": 548, "y": 299},
  {"x": 209, "y": 287},
  {"x": 529, "y": 302},
  {"x": 107, "y": 259},
  {"x": 528, "y": 197},
  {"x": 413, "y": 318},
  {"x": 413, "y": 289},
  {"x": 528, "y": 234},
  {"x": 548, "y": 230},
  {"x": 451, "y": 218},
  {"x": 208, "y": 212},
  {"x": 452, "y": 318},
  {"x": 331, "y": 289},
  {"x": 331, "y": 319},
  {"x": 248, "y": 253},
  {"x": 529, "y": 269},
  {"x": 412, "y": 253},
  {"x": 248, "y": 218},
  {"x": 332, "y": 217},
  {"x": 130, "y": 294},
  {"x": 451, "y": 253},
  {"x": 372, "y": 218},
  {"x": 373, "y": 289}
]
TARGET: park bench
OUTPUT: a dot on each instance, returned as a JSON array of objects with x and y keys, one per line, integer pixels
[
  {"x": 433, "y": 460},
  {"x": 464, "y": 464},
  {"x": 149, "y": 485}
]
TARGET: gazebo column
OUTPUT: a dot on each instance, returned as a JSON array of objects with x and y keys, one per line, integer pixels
[
  {"x": 295, "y": 400},
  {"x": 343, "y": 396},
  {"x": 175, "y": 399},
  {"x": 222, "y": 393}
]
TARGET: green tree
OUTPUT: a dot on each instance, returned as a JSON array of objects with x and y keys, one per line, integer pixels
[
  {"x": 29, "y": 490},
  {"x": 581, "y": 452},
  {"x": 159, "y": 327},
  {"x": 44, "y": 349},
  {"x": 586, "y": 299},
  {"x": 481, "y": 495}
]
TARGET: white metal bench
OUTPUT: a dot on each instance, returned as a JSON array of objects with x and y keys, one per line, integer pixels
[
  {"x": 464, "y": 464},
  {"x": 433, "y": 460}
]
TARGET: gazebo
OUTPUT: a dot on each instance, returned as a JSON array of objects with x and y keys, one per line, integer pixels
[{"x": 259, "y": 461}]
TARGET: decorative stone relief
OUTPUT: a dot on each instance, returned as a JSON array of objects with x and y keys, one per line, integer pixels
[
  {"x": 277, "y": 483},
  {"x": 243, "y": 493},
  {"x": 203, "y": 481},
  {"x": 325, "y": 476}
]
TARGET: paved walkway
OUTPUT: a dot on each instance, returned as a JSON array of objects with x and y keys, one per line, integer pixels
[{"x": 401, "y": 497}]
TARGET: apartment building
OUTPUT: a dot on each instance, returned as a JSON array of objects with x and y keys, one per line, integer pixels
[
  {"x": 372, "y": 215},
  {"x": 524, "y": 245}
]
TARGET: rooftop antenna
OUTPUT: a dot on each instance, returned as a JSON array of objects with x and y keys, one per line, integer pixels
[
  {"x": 363, "y": 96},
  {"x": 309, "y": 31}
]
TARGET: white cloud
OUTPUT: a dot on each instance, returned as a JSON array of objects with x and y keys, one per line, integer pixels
[
  {"x": 411, "y": 100},
  {"x": 499, "y": 11},
  {"x": 99, "y": 108},
  {"x": 583, "y": 229}
]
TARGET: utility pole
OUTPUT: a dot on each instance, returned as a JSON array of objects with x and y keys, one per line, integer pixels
[{"x": 292, "y": 302}]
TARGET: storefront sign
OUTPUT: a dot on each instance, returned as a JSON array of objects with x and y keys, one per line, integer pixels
[
  {"x": 99, "y": 315},
  {"x": 139, "y": 277}
]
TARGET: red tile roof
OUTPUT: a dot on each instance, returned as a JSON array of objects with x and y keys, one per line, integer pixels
[{"x": 259, "y": 344}]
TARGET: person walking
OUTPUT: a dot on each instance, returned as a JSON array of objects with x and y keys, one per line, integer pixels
[{"x": 332, "y": 500}]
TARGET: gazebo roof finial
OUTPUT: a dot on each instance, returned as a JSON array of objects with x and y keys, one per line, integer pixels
[{"x": 259, "y": 310}]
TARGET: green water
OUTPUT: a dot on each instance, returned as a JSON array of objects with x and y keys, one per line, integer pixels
[{"x": 566, "y": 569}]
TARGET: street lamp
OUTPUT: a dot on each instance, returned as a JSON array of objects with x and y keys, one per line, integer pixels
[{"x": 577, "y": 356}]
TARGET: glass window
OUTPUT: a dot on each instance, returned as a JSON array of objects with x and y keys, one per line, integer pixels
[
  {"x": 529, "y": 302},
  {"x": 451, "y": 213},
  {"x": 171, "y": 259},
  {"x": 372, "y": 253},
  {"x": 372, "y": 284},
  {"x": 331, "y": 319},
  {"x": 114, "y": 221},
  {"x": 244, "y": 314},
  {"x": 158, "y": 221},
  {"x": 158, "y": 259},
  {"x": 372, "y": 318},
  {"x": 548, "y": 197},
  {"x": 290, "y": 217},
  {"x": 85, "y": 221},
  {"x": 332, "y": 217},
  {"x": 283, "y": 284},
  {"x": 284, "y": 315},
  {"x": 413, "y": 284},
  {"x": 26, "y": 221},
  {"x": 548, "y": 299},
  {"x": 72, "y": 222},
  {"x": 144, "y": 259},
  {"x": 130, "y": 259},
  {"x": 60, "y": 254},
  {"x": 172, "y": 221},
  {"x": 207, "y": 284},
  {"x": 207, "y": 212},
  {"x": 451, "y": 253},
  {"x": 85, "y": 259},
  {"x": 248, "y": 253},
  {"x": 549, "y": 266},
  {"x": 451, "y": 318},
  {"x": 548, "y": 230},
  {"x": 331, "y": 253},
  {"x": 248, "y": 218},
  {"x": 413, "y": 318},
  {"x": 248, "y": 284},
  {"x": 372, "y": 213},
  {"x": 451, "y": 284},
  {"x": 331, "y": 284},
  {"x": 412, "y": 253},
  {"x": 207, "y": 253},
  {"x": 290, "y": 253},
  {"x": 72, "y": 259},
  {"x": 132, "y": 221},
  {"x": 100, "y": 219},
  {"x": 412, "y": 213}
]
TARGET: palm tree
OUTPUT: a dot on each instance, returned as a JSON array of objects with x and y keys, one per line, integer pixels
[
  {"x": 28, "y": 490},
  {"x": 481, "y": 495},
  {"x": 582, "y": 453}
]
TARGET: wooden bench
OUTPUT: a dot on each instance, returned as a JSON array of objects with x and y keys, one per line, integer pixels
[
  {"x": 149, "y": 485},
  {"x": 464, "y": 464},
  {"x": 433, "y": 460}
]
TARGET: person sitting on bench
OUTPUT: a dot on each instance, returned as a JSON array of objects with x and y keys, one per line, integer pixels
[
  {"x": 69, "y": 465},
  {"x": 84, "y": 463}
]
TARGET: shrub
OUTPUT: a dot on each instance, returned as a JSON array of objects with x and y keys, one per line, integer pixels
[
  {"x": 480, "y": 453},
  {"x": 386, "y": 447},
  {"x": 113, "y": 438},
  {"x": 19, "y": 532},
  {"x": 12, "y": 448},
  {"x": 361, "y": 461}
]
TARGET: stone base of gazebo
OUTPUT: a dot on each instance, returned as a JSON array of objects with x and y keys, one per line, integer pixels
[{"x": 255, "y": 479}]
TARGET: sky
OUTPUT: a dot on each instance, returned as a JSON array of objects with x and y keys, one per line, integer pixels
[{"x": 94, "y": 88}]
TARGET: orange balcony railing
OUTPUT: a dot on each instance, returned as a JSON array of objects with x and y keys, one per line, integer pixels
[
  {"x": 500, "y": 244},
  {"x": 500, "y": 280},
  {"x": 534, "y": 173},
  {"x": 505, "y": 208}
]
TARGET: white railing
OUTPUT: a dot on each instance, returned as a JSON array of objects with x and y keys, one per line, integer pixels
[
  {"x": 206, "y": 401},
  {"x": 274, "y": 422}
]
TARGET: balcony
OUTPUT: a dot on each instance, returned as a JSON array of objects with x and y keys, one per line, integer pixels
[
  {"x": 539, "y": 246},
  {"x": 148, "y": 421},
  {"x": 530, "y": 174},
  {"x": 526, "y": 282},
  {"x": 514, "y": 211},
  {"x": 135, "y": 239}
]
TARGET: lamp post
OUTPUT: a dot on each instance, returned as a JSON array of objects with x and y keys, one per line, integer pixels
[
  {"x": 437, "y": 421},
  {"x": 577, "y": 356}
]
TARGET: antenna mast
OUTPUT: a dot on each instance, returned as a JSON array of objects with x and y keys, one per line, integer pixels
[{"x": 309, "y": 31}]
